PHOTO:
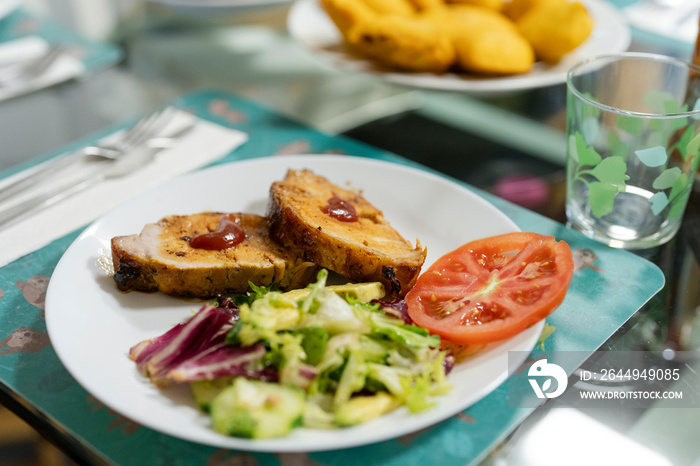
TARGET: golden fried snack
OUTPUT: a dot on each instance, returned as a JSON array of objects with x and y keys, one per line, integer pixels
[
  {"x": 392, "y": 7},
  {"x": 514, "y": 9},
  {"x": 422, "y": 5},
  {"x": 495, "y": 52},
  {"x": 406, "y": 43},
  {"x": 346, "y": 13},
  {"x": 486, "y": 42},
  {"x": 555, "y": 29},
  {"x": 492, "y": 4}
]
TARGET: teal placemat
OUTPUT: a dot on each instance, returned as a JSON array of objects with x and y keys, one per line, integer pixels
[
  {"x": 94, "y": 54},
  {"x": 609, "y": 286}
]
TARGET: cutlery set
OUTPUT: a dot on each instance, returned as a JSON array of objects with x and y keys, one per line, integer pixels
[{"x": 113, "y": 157}]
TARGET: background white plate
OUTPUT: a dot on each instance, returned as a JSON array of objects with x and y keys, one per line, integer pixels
[
  {"x": 92, "y": 325},
  {"x": 311, "y": 26}
]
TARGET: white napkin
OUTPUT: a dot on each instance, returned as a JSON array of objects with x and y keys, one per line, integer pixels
[
  {"x": 204, "y": 143},
  {"x": 19, "y": 51},
  {"x": 679, "y": 22}
]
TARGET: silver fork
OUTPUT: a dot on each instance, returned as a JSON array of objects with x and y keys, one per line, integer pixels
[
  {"x": 144, "y": 129},
  {"x": 121, "y": 167},
  {"x": 33, "y": 69}
]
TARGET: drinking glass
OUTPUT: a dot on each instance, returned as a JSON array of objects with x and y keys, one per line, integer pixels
[{"x": 633, "y": 134}]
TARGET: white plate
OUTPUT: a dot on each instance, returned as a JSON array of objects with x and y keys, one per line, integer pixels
[
  {"x": 311, "y": 26},
  {"x": 8, "y": 6},
  {"x": 92, "y": 325}
]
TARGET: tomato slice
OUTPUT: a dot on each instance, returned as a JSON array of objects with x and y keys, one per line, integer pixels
[{"x": 492, "y": 288}]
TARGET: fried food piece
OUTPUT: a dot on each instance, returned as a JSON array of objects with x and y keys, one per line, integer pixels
[
  {"x": 366, "y": 249},
  {"x": 515, "y": 9},
  {"x": 485, "y": 41},
  {"x": 495, "y": 52},
  {"x": 161, "y": 258},
  {"x": 555, "y": 29},
  {"x": 347, "y": 13},
  {"x": 392, "y": 7},
  {"x": 405, "y": 43},
  {"x": 492, "y": 4}
]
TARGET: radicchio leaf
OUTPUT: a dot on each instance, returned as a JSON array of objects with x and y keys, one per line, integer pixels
[
  {"x": 223, "y": 360},
  {"x": 196, "y": 350}
]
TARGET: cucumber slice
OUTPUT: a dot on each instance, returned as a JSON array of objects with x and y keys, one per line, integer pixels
[
  {"x": 204, "y": 391},
  {"x": 254, "y": 409}
]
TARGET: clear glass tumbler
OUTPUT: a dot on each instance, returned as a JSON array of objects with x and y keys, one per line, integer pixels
[{"x": 633, "y": 129}]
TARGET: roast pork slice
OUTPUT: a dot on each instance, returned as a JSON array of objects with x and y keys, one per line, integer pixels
[
  {"x": 366, "y": 248},
  {"x": 161, "y": 258}
]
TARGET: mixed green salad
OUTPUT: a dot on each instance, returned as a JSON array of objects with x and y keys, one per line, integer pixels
[{"x": 266, "y": 362}]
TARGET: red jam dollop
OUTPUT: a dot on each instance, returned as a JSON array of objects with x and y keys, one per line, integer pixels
[
  {"x": 340, "y": 209},
  {"x": 227, "y": 235}
]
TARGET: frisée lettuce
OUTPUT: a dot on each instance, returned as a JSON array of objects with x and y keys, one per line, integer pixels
[{"x": 324, "y": 357}]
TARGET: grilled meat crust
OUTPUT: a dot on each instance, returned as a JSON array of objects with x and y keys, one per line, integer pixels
[
  {"x": 368, "y": 249},
  {"x": 160, "y": 258}
]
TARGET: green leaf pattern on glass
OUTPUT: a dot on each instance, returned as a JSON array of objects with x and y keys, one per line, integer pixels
[
  {"x": 662, "y": 132},
  {"x": 606, "y": 177},
  {"x": 630, "y": 124},
  {"x": 672, "y": 178},
  {"x": 586, "y": 155},
  {"x": 611, "y": 171},
  {"x": 601, "y": 197},
  {"x": 653, "y": 156},
  {"x": 679, "y": 200},
  {"x": 680, "y": 186},
  {"x": 658, "y": 202},
  {"x": 667, "y": 178}
]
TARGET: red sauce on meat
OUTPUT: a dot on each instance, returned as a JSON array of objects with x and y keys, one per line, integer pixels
[
  {"x": 340, "y": 209},
  {"x": 227, "y": 235}
]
